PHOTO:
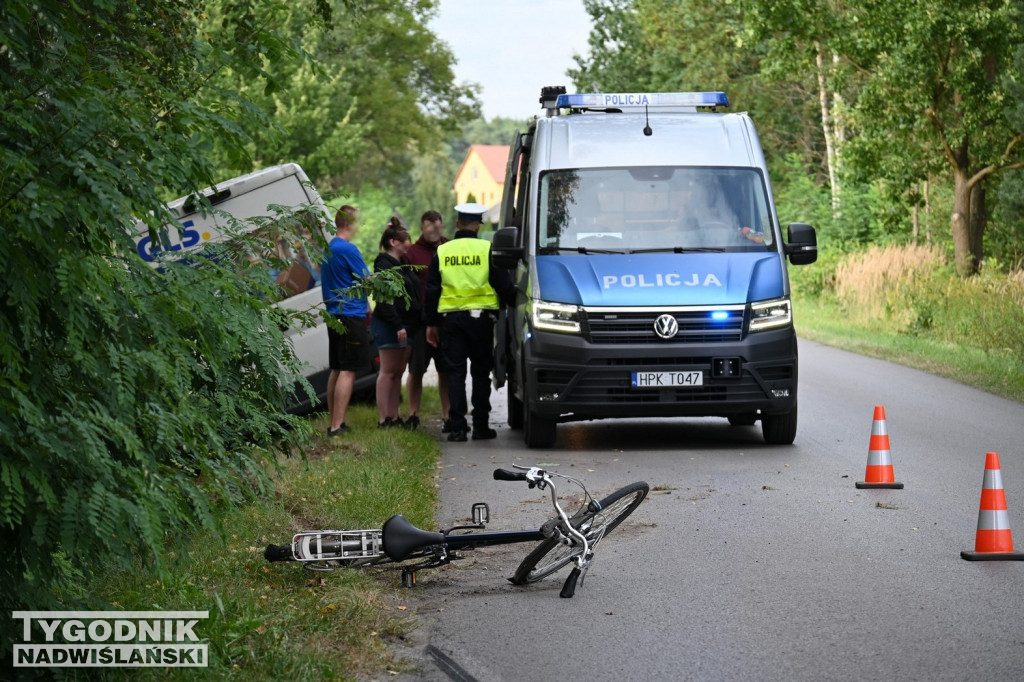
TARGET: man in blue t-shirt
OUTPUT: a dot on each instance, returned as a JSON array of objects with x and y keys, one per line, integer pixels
[{"x": 347, "y": 352}]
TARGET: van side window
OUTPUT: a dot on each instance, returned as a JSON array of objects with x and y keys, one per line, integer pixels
[{"x": 286, "y": 256}]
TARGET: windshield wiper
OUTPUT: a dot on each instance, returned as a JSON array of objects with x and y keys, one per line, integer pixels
[
  {"x": 681, "y": 249},
  {"x": 547, "y": 250}
]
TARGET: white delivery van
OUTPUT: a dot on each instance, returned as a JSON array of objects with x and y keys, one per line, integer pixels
[
  {"x": 251, "y": 197},
  {"x": 650, "y": 267}
]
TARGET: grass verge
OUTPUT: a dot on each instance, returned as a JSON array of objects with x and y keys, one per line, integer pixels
[
  {"x": 999, "y": 372},
  {"x": 279, "y": 621}
]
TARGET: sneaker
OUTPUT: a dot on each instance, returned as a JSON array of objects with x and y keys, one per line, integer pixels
[
  {"x": 446, "y": 426},
  {"x": 485, "y": 433},
  {"x": 340, "y": 431},
  {"x": 412, "y": 423},
  {"x": 457, "y": 437},
  {"x": 389, "y": 422}
]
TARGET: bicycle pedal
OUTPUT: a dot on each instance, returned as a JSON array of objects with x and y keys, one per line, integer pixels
[{"x": 481, "y": 513}]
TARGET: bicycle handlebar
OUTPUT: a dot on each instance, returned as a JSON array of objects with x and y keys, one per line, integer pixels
[{"x": 506, "y": 475}]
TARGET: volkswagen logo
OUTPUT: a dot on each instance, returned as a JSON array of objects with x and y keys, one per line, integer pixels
[{"x": 666, "y": 326}]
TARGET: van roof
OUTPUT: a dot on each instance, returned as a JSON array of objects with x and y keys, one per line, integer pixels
[
  {"x": 244, "y": 183},
  {"x": 589, "y": 140}
]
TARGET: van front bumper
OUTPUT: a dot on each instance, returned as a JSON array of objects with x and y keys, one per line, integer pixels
[{"x": 570, "y": 379}]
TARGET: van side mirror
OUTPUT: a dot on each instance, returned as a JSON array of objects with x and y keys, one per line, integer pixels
[
  {"x": 802, "y": 246},
  {"x": 506, "y": 251}
]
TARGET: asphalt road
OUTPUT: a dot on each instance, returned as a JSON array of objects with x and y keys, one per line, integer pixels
[{"x": 750, "y": 562}]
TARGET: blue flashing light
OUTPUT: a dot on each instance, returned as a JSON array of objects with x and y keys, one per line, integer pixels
[
  {"x": 618, "y": 100},
  {"x": 719, "y": 315}
]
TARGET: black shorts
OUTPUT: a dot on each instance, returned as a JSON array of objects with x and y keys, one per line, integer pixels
[
  {"x": 348, "y": 352},
  {"x": 422, "y": 354}
]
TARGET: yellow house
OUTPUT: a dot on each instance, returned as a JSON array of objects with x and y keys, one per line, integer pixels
[{"x": 482, "y": 174}]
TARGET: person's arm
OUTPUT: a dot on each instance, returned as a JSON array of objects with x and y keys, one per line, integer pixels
[{"x": 431, "y": 301}]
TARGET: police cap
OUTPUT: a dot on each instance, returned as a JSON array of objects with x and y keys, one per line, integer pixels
[{"x": 471, "y": 213}]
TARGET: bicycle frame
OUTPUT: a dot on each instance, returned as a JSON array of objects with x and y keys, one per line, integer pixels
[{"x": 400, "y": 542}]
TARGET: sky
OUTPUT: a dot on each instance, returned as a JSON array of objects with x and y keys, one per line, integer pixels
[{"x": 512, "y": 48}]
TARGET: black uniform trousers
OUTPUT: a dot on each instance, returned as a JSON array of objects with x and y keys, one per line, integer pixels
[{"x": 467, "y": 338}]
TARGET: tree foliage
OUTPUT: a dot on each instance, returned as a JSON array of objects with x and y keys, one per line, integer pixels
[
  {"x": 936, "y": 89},
  {"x": 374, "y": 89},
  {"x": 134, "y": 400},
  {"x": 937, "y": 80}
]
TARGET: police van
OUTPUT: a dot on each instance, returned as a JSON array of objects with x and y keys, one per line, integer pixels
[
  {"x": 650, "y": 267},
  {"x": 248, "y": 204}
]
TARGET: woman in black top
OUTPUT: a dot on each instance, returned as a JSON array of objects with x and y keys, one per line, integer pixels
[{"x": 394, "y": 325}]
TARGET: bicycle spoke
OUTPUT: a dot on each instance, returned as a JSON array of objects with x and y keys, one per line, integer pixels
[{"x": 551, "y": 555}]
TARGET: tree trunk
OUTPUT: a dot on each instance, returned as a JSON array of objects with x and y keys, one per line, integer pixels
[
  {"x": 927, "y": 213},
  {"x": 827, "y": 128},
  {"x": 978, "y": 222},
  {"x": 915, "y": 219},
  {"x": 963, "y": 254}
]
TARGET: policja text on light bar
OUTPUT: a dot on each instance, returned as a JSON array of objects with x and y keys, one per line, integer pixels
[{"x": 649, "y": 99}]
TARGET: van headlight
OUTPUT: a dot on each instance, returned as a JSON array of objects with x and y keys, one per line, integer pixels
[
  {"x": 555, "y": 317},
  {"x": 770, "y": 314}
]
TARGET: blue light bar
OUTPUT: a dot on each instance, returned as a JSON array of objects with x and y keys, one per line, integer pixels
[
  {"x": 619, "y": 100},
  {"x": 719, "y": 315}
]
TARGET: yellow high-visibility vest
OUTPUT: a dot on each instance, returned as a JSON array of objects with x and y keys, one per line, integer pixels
[{"x": 465, "y": 271}]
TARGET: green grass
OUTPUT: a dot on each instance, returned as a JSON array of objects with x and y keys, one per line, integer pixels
[
  {"x": 279, "y": 621},
  {"x": 1000, "y": 372}
]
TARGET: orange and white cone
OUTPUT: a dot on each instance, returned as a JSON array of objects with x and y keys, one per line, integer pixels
[
  {"x": 994, "y": 540},
  {"x": 879, "y": 473}
]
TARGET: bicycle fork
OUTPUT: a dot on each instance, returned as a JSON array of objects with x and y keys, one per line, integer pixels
[{"x": 582, "y": 559}]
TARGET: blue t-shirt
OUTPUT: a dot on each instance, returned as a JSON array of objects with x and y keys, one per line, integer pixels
[{"x": 342, "y": 267}]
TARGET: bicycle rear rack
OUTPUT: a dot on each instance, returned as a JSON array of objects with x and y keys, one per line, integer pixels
[{"x": 337, "y": 545}]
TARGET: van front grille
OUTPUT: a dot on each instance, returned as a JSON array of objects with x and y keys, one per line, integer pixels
[{"x": 638, "y": 327}]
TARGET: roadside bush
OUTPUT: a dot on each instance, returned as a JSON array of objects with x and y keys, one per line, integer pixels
[
  {"x": 134, "y": 403},
  {"x": 819, "y": 278},
  {"x": 911, "y": 289},
  {"x": 879, "y": 284}
]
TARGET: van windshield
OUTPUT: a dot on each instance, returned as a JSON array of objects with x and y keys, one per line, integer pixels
[{"x": 651, "y": 209}]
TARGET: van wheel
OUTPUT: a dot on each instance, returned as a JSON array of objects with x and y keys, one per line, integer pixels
[
  {"x": 779, "y": 429},
  {"x": 538, "y": 432},
  {"x": 745, "y": 419},
  {"x": 515, "y": 411}
]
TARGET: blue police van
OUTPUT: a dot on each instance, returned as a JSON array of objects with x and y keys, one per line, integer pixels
[{"x": 650, "y": 267}]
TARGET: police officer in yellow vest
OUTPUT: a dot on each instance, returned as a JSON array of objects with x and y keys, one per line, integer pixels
[{"x": 463, "y": 295}]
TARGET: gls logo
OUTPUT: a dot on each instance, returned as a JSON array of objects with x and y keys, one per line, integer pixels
[
  {"x": 190, "y": 236},
  {"x": 671, "y": 279}
]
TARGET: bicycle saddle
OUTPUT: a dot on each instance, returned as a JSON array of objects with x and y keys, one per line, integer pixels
[{"x": 401, "y": 538}]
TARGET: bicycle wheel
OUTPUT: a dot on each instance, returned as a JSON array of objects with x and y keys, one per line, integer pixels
[{"x": 551, "y": 555}]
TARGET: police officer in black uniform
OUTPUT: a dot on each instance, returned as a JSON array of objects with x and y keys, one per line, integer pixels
[{"x": 463, "y": 296}]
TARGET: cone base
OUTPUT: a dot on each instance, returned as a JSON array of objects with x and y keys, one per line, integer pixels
[
  {"x": 865, "y": 484},
  {"x": 992, "y": 556}
]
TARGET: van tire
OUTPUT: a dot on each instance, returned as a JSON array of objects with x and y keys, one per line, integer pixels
[
  {"x": 515, "y": 411},
  {"x": 538, "y": 432},
  {"x": 779, "y": 429}
]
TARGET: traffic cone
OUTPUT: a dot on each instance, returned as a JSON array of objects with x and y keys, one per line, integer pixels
[
  {"x": 994, "y": 540},
  {"x": 879, "y": 472}
]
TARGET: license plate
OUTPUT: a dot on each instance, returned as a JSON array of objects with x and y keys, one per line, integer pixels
[{"x": 667, "y": 379}]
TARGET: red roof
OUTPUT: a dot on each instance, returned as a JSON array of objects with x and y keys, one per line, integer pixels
[{"x": 494, "y": 157}]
